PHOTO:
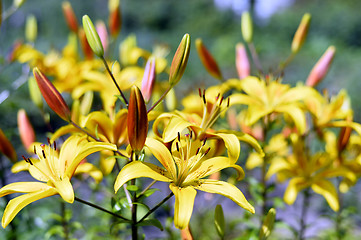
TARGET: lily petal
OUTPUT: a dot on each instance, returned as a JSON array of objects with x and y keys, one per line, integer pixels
[
  {"x": 23, "y": 187},
  {"x": 65, "y": 189},
  {"x": 18, "y": 203},
  {"x": 183, "y": 207},
  {"x": 139, "y": 169},
  {"x": 328, "y": 191},
  {"x": 225, "y": 189},
  {"x": 161, "y": 152},
  {"x": 294, "y": 186}
]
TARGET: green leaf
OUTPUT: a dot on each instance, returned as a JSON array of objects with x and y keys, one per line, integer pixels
[
  {"x": 132, "y": 188},
  {"x": 150, "y": 192},
  {"x": 151, "y": 222},
  {"x": 219, "y": 221}
]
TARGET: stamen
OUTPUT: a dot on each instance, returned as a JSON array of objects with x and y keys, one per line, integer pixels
[
  {"x": 198, "y": 149},
  {"x": 227, "y": 102},
  {"x": 29, "y": 161},
  {"x": 204, "y": 142},
  {"x": 43, "y": 153},
  {"x": 200, "y": 92},
  {"x": 55, "y": 143},
  {"x": 176, "y": 144},
  {"x": 191, "y": 136},
  {"x": 204, "y": 96},
  {"x": 49, "y": 141},
  {"x": 178, "y": 136},
  {"x": 207, "y": 151},
  {"x": 220, "y": 102},
  {"x": 35, "y": 149},
  {"x": 218, "y": 96}
]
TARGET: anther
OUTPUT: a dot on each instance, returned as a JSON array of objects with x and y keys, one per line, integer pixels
[
  {"x": 198, "y": 149},
  {"x": 227, "y": 102},
  {"x": 220, "y": 102},
  {"x": 207, "y": 151},
  {"x": 29, "y": 161},
  {"x": 178, "y": 136},
  {"x": 176, "y": 144},
  {"x": 55, "y": 143},
  {"x": 49, "y": 141},
  {"x": 204, "y": 142},
  {"x": 42, "y": 146},
  {"x": 43, "y": 153},
  {"x": 34, "y": 149},
  {"x": 218, "y": 96},
  {"x": 200, "y": 92},
  {"x": 191, "y": 135}
]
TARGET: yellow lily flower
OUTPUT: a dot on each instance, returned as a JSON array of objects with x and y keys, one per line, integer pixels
[
  {"x": 109, "y": 129},
  {"x": 305, "y": 170},
  {"x": 54, "y": 171},
  {"x": 263, "y": 99},
  {"x": 185, "y": 166}
]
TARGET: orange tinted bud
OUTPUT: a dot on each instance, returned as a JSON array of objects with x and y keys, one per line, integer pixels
[
  {"x": 186, "y": 234},
  {"x": 103, "y": 34},
  {"x": 180, "y": 60},
  {"x": 344, "y": 136},
  {"x": 148, "y": 79},
  {"x": 301, "y": 33},
  {"x": 51, "y": 95},
  {"x": 137, "y": 120},
  {"x": 207, "y": 60},
  {"x": 319, "y": 71},
  {"x": 242, "y": 63},
  {"x": 26, "y": 130},
  {"x": 88, "y": 52},
  {"x": 70, "y": 17},
  {"x": 115, "y": 18},
  {"x": 6, "y": 147}
]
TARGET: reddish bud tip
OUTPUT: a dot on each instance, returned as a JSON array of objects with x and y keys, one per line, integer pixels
[
  {"x": 51, "y": 95},
  {"x": 6, "y": 147},
  {"x": 320, "y": 70},
  {"x": 148, "y": 79},
  {"x": 137, "y": 120},
  {"x": 207, "y": 59},
  {"x": 115, "y": 18},
  {"x": 26, "y": 130},
  {"x": 70, "y": 17},
  {"x": 242, "y": 63}
]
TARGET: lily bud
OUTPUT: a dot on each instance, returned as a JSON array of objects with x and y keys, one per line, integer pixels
[
  {"x": 70, "y": 17},
  {"x": 88, "y": 52},
  {"x": 103, "y": 34},
  {"x": 18, "y": 3},
  {"x": 35, "y": 93},
  {"x": 148, "y": 79},
  {"x": 26, "y": 130},
  {"x": 319, "y": 71},
  {"x": 247, "y": 27},
  {"x": 180, "y": 60},
  {"x": 137, "y": 120},
  {"x": 51, "y": 95},
  {"x": 242, "y": 63},
  {"x": 115, "y": 18},
  {"x": 267, "y": 225},
  {"x": 31, "y": 28},
  {"x": 207, "y": 60},
  {"x": 6, "y": 147},
  {"x": 92, "y": 36},
  {"x": 301, "y": 33}
]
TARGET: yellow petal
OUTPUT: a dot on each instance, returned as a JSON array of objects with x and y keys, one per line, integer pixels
[
  {"x": 296, "y": 114},
  {"x": 65, "y": 189},
  {"x": 254, "y": 160},
  {"x": 278, "y": 164},
  {"x": 232, "y": 144},
  {"x": 20, "y": 166},
  {"x": 18, "y": 203},
  {"x": 23, "y": 187},
  {"x": 139, "y": 169},
  {"x": 225, "y": 189},
  {"x": 250, "y": 140},
  {"x": 294, "y": 186},
  {"x": 90, "y": 169},
  {"x": 161, "y": 152},
  {"x": 175, "y": 126},
  {"x": 62, "y": 131},
  {"x": 183, "y": 207},
  {"x": 328, "y": 191}
]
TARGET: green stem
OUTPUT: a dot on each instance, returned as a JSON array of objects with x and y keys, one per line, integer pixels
[
  {"x": 255, "y": 58},
  {"x": 339, "y": 230},
  {"x": 149, "y": 186},
  {"x": 64, "y": 221},
  {"x": 156, "y": 207},
  {"x": 134, "y": 214},
  {"x": 306, "y": 200},
  {"x": 114, "y": 81},
  {"x": 100, "y": 208},
  {"x": 160, "y": 99}
]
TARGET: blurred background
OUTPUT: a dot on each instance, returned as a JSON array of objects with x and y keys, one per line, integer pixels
[{"x": 217, "y": 22}]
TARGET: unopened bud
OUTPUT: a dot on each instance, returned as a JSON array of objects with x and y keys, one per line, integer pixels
[
  {"x": 51, "y": 95},
  {"x": 35, "y": 93},
  {"x": 31, "y": 28},
  {"x": 103, "y": 34},
  {"x": 137, "y": 120},
  {"x": 88, "y": 52},
  {"x": 70, "y": 17},
  {"x": 86, "y": 103},
  {"x": 115, "y": 18},
  {"x": 207, "y": 60},
  {"x": 18, "y": 3},
  {"x": 6, "y": 147},
  {"x": 148, "y": 79},
  {"x": 242, "y": 63},
  {"x": 26, "y": 130},
  {"x": 247, "y": 27},
  {"x": 180, "y": 60},
  {"x": 319, "y": 71},
  {"x": 267, "y": 225},
  {"x": 92, "y": 36},
  {"x": 301, "y": 33}
]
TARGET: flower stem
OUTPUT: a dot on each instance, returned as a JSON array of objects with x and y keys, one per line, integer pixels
[
  {"x": 134, "y": 214},
  {"x": 114, "y": 81},
  {"x": 64, "y": 221},
  {"x": 100, "y": 208},
  {"x": 255, "y": 58},
  {"x": 160, "y": 99},
  {"x": 306, "y": 200},
  {"x": 156, "y": 207}
]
